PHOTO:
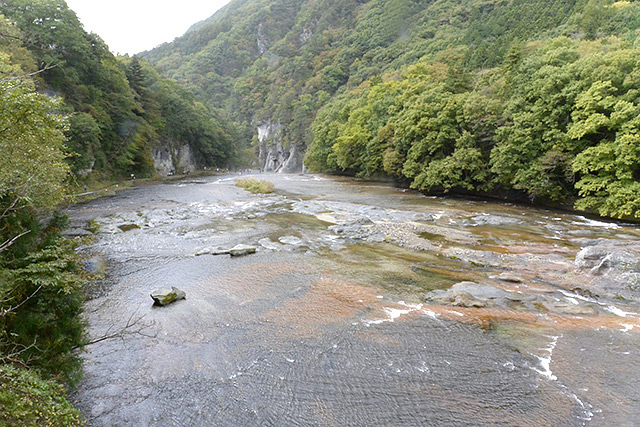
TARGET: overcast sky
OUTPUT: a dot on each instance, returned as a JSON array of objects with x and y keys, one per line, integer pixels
[{"x": 132, "y": 26}]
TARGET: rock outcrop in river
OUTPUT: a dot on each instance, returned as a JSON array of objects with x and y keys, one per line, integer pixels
[
  {"x": 614, "y": 267},
  {"x": 167, "y": 296}
]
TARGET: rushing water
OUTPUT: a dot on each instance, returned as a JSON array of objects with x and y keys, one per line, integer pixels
[{"x": 327, "y": 323}]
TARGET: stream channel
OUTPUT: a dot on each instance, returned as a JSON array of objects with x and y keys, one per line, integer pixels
[{"x": 351, "y": 312}]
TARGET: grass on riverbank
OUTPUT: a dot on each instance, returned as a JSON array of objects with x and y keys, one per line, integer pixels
[{"x": 255, "y": 186}]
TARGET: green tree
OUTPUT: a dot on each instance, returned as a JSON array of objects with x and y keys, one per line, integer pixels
[
  {"x": 33, "y": 170},
  {"x": 40, "y": 287}
]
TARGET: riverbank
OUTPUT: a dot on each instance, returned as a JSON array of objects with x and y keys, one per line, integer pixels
[
  {"x": 512, "y": 197},
  {"x": 84, "y": 193}
]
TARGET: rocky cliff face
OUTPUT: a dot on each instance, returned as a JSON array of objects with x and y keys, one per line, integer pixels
[
  {"x": 174, "y": 157},
  {"x": 273, "y": 157}
]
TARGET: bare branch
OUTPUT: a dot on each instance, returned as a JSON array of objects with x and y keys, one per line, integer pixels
[
  {"x": 5, "y": 311},
  {"x": 14, "y": 352},
  {"x": 10, "y": 207},
  {"x": 11, "y": 241},
  {"x": 25, "y": 76},
  {"x": 134, "y": 326},
  {"x": 9, "y": 36}
]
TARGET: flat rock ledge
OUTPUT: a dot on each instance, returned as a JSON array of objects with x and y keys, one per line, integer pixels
[
  {"x": 240, "y": 250},
  {"x": 167, "y": 296},
  {"x": 470, "y": 294},
  {"x": 237, "y": 250},
  {"x": 475, "y": 295}
]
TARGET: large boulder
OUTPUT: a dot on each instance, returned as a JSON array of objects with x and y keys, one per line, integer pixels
[
  {"x": 237, "y": 250},
  {"x": 212, "y": 251},
  {"x": 167, "y": 296},
  {"x": 509, "y": 277},
  {"x": 456, "y": 298},
  {"x": 362, "y": 229},
  {"x": 218, "y": 251},
  {"x": 484, "y": 292}
]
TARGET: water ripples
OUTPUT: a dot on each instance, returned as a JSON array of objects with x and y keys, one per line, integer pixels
[{"x": 316, "y": 330}]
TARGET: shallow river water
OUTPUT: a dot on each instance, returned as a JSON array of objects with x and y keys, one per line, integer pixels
[{"x": 337, "y": 318}]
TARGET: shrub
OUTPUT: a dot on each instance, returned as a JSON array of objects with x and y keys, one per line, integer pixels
[
  {"x": 255, "y": 186},
  {"x": 28, "y": 400},
  {"x": 41, "y": 301}
]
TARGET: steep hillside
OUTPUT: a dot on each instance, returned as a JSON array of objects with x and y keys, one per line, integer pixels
[
  {"x": 274, "y": 64},
  {"x": 121, "y": 112}
]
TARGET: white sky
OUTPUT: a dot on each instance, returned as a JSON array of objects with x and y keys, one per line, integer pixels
[{"x": 132, "y": 26}]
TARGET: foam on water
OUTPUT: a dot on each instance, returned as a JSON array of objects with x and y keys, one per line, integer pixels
[
  {"x": 423, "y": 368},
  {"x": 393, "y": 313},
  {"x": 573, "y": 297},
  {"x": 618, "y": 312},
  {"x": 578, "y": 296},
  {"x": 572, "y": 300},
  {"x": 594, "y": 223},
  {"x": 587, "y": 413},
  {"x": 545, "y": 361},
  {"x": 452, "y": 312}
]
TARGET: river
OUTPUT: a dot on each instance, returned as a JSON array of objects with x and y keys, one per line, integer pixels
[{"x": 346, "y": 314}]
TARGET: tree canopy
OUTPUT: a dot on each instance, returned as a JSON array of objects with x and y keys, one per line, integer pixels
[
  {"x": 561, "y": 124},
  {"x": 119, "y": 108}
]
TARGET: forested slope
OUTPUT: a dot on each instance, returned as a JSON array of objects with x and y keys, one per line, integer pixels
[
  {"x": 119, "y": 109},
  {"x": 509, "y": 98}
]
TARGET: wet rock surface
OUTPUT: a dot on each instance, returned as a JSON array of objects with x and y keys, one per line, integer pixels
[
  {"x": 167, "y": 296},
  {"x": 615, "y": 269},
  {"x": 509, "y": 277},
  {"x": 470, "y": 294},
  {"x": 601, "y": 259},
  {"x": 456, "y": 312},
  {"x": 241, "y": 250},
  {"x": 492, "y": 220}
]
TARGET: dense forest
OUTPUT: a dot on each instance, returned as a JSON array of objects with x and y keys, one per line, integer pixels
[
  {"x": 118, "y": 109},
  {"x": 522, "y": 100}
]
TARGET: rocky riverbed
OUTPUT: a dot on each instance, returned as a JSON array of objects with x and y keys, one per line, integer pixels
[{"x": 362, "y": 304}]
